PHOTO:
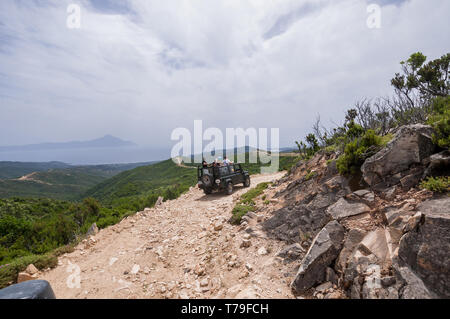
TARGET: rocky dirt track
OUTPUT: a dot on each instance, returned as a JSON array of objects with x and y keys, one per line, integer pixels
[{"x": 184, "y": 248}]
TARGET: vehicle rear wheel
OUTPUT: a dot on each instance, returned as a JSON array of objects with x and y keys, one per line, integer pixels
[
  {"x": 229, "y": 188},
  {"x": 247, "y": 182}
]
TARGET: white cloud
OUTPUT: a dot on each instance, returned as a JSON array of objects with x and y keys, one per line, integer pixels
[{"x": 140, "y": 74}]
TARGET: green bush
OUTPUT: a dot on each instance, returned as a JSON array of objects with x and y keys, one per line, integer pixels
[
  {"x": 247, "y": 203},
  {"x": 248, "y": 197},
  {"x": 440, "y": 121},
  {"x": 10, "y": 271},
  {"x": 240, "y": 211},
  {"x": 436, "y": 184},
  {"x": 356, "y": 152}
]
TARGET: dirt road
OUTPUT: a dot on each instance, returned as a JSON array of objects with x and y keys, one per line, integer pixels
[{"x": 182, "y": 249}]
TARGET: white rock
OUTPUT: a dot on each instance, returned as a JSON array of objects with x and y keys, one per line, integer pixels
[
  {"x": 204, "y": 282},
  {"x": 262, "y": 251},
  {"x": 113, "y": 260},
  {"x": 135, "y": 269}
]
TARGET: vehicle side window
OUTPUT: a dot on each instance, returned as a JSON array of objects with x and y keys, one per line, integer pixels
[{"x": 224, "y": 170}]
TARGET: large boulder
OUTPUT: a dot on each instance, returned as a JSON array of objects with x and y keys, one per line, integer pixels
[
  {"x": 425, "y": 248},
  {"x": 354, "y": 237},
  {"x": 342, "y": 209},
  {"x": 412, "y": 287},
  {"x": 24, "y": 276},
  {"x": 323, "y": 251},
  {"x": 292, "y": 223},
  {"x": 439, "y": 164},
  {"x": 375, "y": 243},
  {"x": 411, "y": 145},
  {"x": 31, "y": 269}
]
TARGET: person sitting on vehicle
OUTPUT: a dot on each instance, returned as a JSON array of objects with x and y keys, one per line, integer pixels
[
  {"x": 226, "y": 161},
  {"x": 205, "y": 164}
]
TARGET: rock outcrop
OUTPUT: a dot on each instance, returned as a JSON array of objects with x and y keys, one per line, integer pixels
[
  {"x": 411, "y": 145},
  {"x": 342, "y": 209},
  {"x": 425, "y": 247},
  {"x": 307, "y": 200},
  {"x": 323, "y": 251},
  {"x": 387, "y": 241},
  {"x": 410, "y": 285},
  {"x": 439, "y": 164}
]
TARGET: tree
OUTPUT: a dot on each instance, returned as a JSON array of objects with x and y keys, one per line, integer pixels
[
  {"x": 428, "y": 80},
  {"x": 313, "y": 142}
]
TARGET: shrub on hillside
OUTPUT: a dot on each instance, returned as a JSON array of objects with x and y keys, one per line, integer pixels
[
  {"x": 9, "y": 272},
  {"x": 440, "y": 121},
  {"x": 357, "y": 151},
  {"x": 437, "y": 184},
  {"x": 248, "y": 197},
  {"x": 247, "y": 203}
]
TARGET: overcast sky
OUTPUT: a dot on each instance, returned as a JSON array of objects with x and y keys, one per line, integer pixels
[{"x": 137, "y": 69}]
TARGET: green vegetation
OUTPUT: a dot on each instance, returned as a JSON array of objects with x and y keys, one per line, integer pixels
[
  {"x": 439, "y": 184},
  {"x": 240, "y": 211},
  {"x": 247, "y": 203},
  {"x": 308, "y": 150},
  {"x": 54, "y": 180},
  {"x": 141, "y": 187},
  {"x": 38, "y": 226},
  {"x": 287, "y": 162},
  {"x": 9, "y": 170},
  {"x": 357, "y": 151},
  {"x": 440, "y": 121},
  {"x": 53, "y": 184},
  {"x": 430, "y": 80},
  {"x": 33, "y": 230},
  {"x": 9, "y": 272},
  {"x": 37, "y": 230}
]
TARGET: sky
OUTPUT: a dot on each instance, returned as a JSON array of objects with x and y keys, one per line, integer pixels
[{"x": 138, "y": 69}]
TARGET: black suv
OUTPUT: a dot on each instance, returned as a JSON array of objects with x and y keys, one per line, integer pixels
[{"x": 224, "y": 177}]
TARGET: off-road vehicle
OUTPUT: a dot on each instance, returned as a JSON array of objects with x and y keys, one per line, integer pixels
[{"x": 217, "y": 178}]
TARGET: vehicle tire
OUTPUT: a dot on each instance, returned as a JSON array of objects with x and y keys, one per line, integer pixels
[
  {"x": 229, "y": 189},
  {"x": 207, "y": 191},
  {"x": 207, "y": 180},
  {"x": 247, "y": 182}
]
